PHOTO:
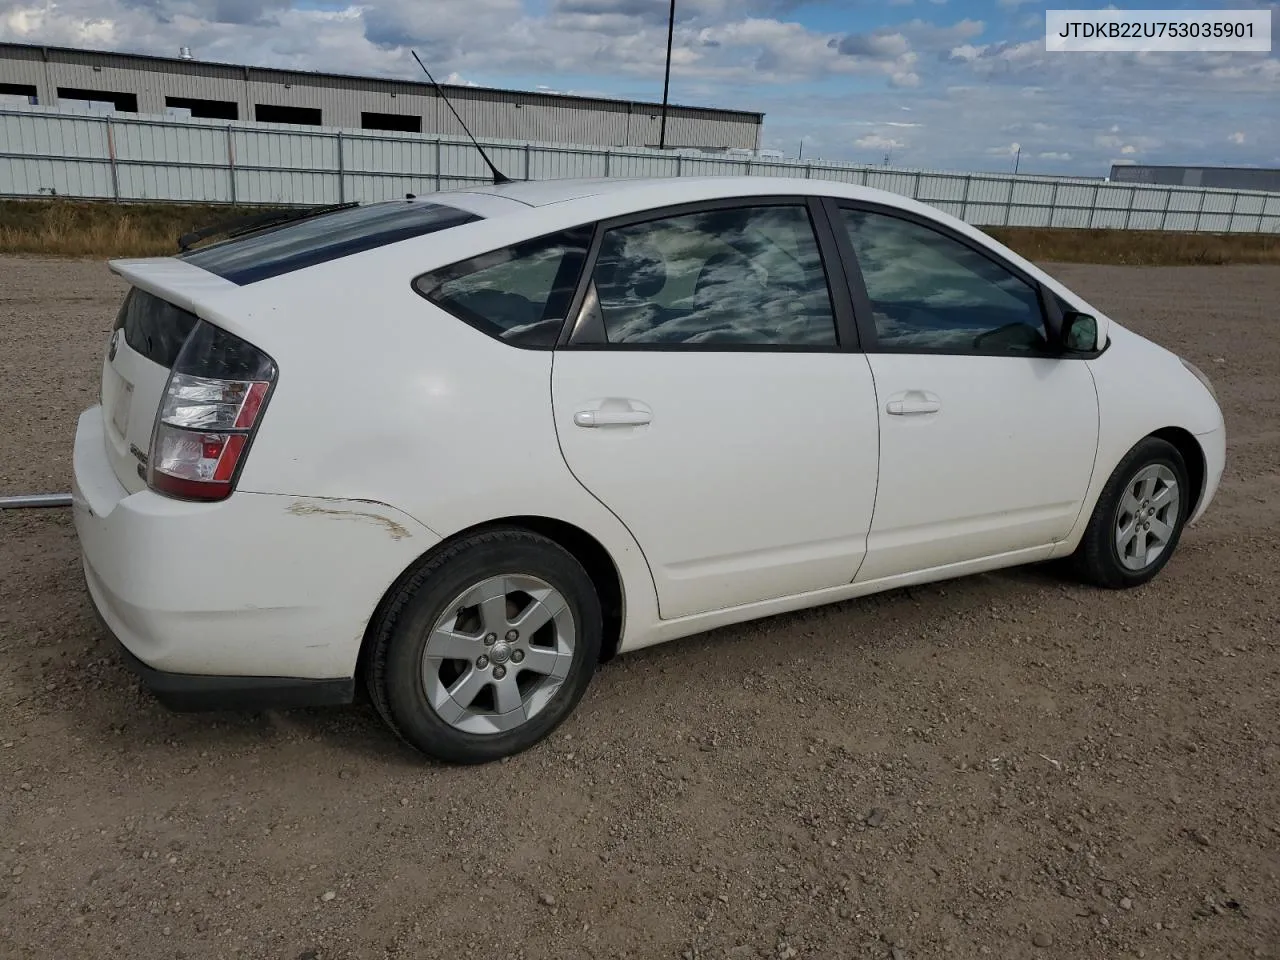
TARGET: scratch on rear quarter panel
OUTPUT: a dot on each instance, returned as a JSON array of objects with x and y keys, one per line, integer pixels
[{"x": 300, "y": 508}]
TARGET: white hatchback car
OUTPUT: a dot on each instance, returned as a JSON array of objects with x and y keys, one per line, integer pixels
[{"x": 459, "y": 449}]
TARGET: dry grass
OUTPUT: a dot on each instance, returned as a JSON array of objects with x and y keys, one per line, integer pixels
[
  {"x": 68, "y": 228},
  {"x": 1138, "y": 247}
]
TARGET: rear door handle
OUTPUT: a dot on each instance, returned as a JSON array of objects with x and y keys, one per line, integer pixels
[
  {"x": 913, "y": 403},
  {"x": 612, "y": 416}
]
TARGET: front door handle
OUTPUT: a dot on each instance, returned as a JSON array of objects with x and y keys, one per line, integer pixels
[
  {"x": 913, "y": 403},
  {"x": 611, "y": 418}
]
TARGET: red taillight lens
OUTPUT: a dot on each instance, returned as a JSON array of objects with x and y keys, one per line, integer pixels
[{"x": 211, "y": 408}]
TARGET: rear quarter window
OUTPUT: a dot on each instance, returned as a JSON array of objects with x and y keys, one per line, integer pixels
[
  {"x": 329, "y": 236},
  {"x": 520, "y": 294},
  {"x": 153, "y": 327}
]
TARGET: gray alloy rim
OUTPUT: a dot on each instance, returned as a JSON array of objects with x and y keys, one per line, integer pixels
[
  {"x": 1147, "y": 516},
  {"x": 498, "y": 654}
]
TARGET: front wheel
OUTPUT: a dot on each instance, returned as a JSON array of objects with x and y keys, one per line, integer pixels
[
  {"x": 1138, "y": 519},
  {"x": 487, "y": 647}
]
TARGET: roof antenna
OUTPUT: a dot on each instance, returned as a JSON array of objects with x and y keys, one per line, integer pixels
[{"x": 498, "y": 176}]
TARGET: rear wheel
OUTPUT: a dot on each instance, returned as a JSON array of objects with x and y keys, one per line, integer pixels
[
  {"x": 487, "y": 647},
  {"x": 1138, "y": 519}
]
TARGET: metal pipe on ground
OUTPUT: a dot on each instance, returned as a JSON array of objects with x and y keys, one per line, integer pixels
[{"x": 35, "y": 500}]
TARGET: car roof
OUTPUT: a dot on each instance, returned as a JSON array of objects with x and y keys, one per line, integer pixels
[{"x": 539, "y": 193}]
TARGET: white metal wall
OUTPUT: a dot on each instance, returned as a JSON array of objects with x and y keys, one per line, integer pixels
[
  {"x": 340, "y": 100},
  {"x": 115, "y": 156}
]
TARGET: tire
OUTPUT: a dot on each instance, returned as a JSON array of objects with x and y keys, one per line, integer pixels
[
  {"x": 449, "y": 653},
  {"x": 1105, "y": 557}
]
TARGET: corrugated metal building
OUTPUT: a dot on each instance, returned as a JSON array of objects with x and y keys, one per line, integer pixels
[
  {"x": 189, "y": 87},
  {"x": 1223, "y": 178}
]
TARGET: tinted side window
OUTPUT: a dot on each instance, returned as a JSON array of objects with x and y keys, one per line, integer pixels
[
  {"x": 930, "y": 292},
  {"x": 519, "y": 294},
  {"x": 747, "y": 276}
]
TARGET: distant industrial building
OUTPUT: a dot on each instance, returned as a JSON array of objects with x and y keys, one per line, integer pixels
[
  {"x": 1225, "y": 178},
  {"x": 188, "y": 86}
]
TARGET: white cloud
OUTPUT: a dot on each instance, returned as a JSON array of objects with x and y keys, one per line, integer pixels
[
  {"x": 1054, "y": 155},
  {"x": 967, "y": 51},
  {"x": 876, "y": 142},
  {"x": 1237, "y": 137}
]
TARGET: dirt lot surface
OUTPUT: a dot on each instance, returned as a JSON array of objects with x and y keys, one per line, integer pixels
[{"x": 1007, "y": 766}]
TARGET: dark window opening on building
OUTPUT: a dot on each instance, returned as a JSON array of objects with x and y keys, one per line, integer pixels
[
  {"x": 390, "y": 121},
  {"x": 17, "y": 93},
  {"x": 268, "y": 113},
  {"x": 209, "y": 109},
  {"x": 99, "y": 99}
]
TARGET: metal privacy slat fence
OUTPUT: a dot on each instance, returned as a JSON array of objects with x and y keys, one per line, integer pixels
[{"x": 71, "y": 153}]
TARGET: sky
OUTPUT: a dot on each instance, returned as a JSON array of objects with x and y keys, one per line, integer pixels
[{"x": 934, "y": 84}]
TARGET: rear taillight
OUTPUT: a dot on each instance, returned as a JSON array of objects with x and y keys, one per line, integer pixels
[{"x": 212, "y": 406}]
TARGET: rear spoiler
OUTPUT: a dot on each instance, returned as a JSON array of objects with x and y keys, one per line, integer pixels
[{"x": 176, "y": 281}]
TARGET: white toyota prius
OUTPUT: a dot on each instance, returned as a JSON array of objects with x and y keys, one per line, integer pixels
[{"x": 457, "y": 450}]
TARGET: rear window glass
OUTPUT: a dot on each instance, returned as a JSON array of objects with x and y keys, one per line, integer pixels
[
  {"x": 153, "y": 327},
  {"x": 305, "y": 243},
  {"x": 519, "y": 294}
]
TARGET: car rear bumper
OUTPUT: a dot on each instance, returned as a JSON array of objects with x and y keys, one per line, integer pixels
[
  {"x": 190, "y": 692},
  {"x": 261, "y": 597}
]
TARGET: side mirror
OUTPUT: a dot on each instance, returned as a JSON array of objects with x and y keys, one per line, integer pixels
[{"x": 1079, "y": 332}]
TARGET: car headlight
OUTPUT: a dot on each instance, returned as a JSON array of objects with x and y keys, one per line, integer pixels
[{"x": 1200, "y": 375}]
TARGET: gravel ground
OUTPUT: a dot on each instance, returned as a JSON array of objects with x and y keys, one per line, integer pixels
[{"x": 1008, "y": 765}]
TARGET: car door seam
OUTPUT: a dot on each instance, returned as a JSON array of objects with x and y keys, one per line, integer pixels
[
  {"x": 1097, "y": 447},
  {"x": 564, "y": 457},
  {"x": 875, "y": 495}
]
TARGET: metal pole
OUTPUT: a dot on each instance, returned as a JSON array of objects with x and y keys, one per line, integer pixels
[
  {"x": 1199, "y": 210},
  {"x": 964, "y": 198},
  {"x": 1053, "y": 203},
  {"x": 608, "y": 154},
  {"x": 437, "y": 156},
  {"x": 666, "y": 83},
  {"x": 526, "y": 161},
  {"x": 231, "y": 162},
  {"x": 1128, "y": 213},
  {"x": 342, "y": 177},
  {"x": 1231, "y": 217},
  {"x": 35, "y": 500},
  {"x": 1164, "y": 217},
  {"x": 111, "y": 152}
]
